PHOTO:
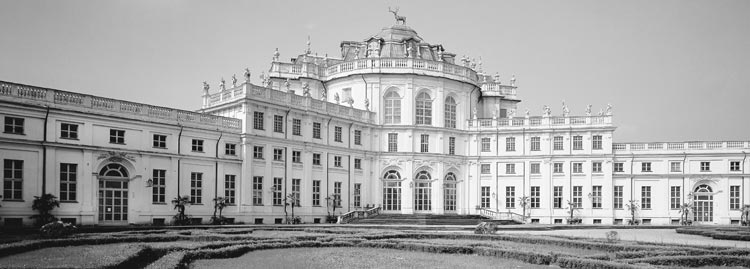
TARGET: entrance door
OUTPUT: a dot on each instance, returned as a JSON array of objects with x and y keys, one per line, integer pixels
[
  {"x": 113, "y": 201},
  {"x": 423, "y": 197},
  {"x": 704, "y": 204}
]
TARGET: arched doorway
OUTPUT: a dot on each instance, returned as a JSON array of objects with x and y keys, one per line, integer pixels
[
  {"x": 392, "y": 191},
  {"x": 423, "y": 192},
  {"x": 449, "y": 193},
  {"x": 704, "y": 204},
  {"x": 113, "y": 193}
]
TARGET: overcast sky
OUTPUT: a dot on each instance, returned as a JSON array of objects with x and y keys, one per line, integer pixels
[{"x": 674, "y": 70}]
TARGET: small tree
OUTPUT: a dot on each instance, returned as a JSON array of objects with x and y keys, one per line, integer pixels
[
  {"x": 180, "y": 202},
  {"x": 685, "y": 210},
  {"x": 332, "y": 202},
  {"x": 219, "y": 204},
  {"x": 746, "y": 215},
  {"x": 525, "y": 203},
  {"x": 44, "y": 204},
  {"x": 633, "y": 208},
  {"x": 291, "y": 200},
  {"x": 572, "y": 219}
]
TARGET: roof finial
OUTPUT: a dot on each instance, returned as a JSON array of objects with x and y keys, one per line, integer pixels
[
  {"x": 398, "y": 18},
  {"x": 308, "y": 44}
]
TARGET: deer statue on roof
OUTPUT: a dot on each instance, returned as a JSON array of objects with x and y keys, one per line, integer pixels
[{"x": 401, "y": 19}]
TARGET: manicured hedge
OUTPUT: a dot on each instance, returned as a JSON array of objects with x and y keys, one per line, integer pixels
[
  {"x": 582, "y": 263},
  {"x": 170, "y": 261},
  {"x": 694, "y": 261}
]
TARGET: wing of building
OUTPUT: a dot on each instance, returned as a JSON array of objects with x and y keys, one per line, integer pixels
[{"x": 394, "y": 123}]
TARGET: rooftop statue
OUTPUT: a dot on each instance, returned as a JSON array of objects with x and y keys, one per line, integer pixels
[
  {"x": 512, "y": 113},
  {"x": 287, "y": 84},
  {"x": 497, "y": 78},
  {"x": 609, "y": 110},
  {"x": 409, "y": 51},
  {"x": 513, "y": 81},
  {"x": 588, "y": 110},
  {"x": 565, "y": 109},
  {"x": 234, "y": 80},
  {"x": 367, "y": 104},
  {"x": 398, "y": 18},
  {"x": 222, "y": 85},
  {"x": 306, "y": 89},
  {"x": 247, "y": 75},
  {"x": 440, "y": 55},
  {"x": 206, "y": 87},
  {"x": 547, "y": 111},
  {"x": 527, "y": 113},
  {"x": 323, "y": 95},
  {"x": 601, "y": 112},
  {"x": 474, "y": 111},
  {"x": 356, "y": 52},
  {"x": 276, "y": 55},
  {"x": 336, "y": 98}
]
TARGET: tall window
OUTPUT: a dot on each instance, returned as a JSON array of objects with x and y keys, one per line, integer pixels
[
  {"x": 557, "y": 196},
  {"x": 296, "y": 156},
  {"x": 535, "y": 168},
  {"x": 337, "y": 193},
  {"x": 69, "y": 131},
  {"x": 485, "y": 200},
  {"x": 485, "y": 144},
  {"x": 510, "y": 168},
  {"x": 424, "y": 109},
  {"x": 557, "y": 168},
  {"x": 577, "y": 142},
  {"x": 197, "y": 145},
  {"x": 316, "y": 193},
  {"x": 558, "y": 143},
  {"x": 392, "y": 192},
  {"x": 734, "y": 166},
  {"x": 229, "y": 188},
  {"x": 596, "y": 167},
  {"x": 357, "y": 194},
  {"x": 619, "y": 167},
  {"x": 734, "y": 197},
  {"x": 646, "y": 197},
  {"x": 158, "y": 186},
  {"x": 278, "y": 154},
  {"x": 535, "y": 143},
  {"x": 596, "y": 142},
  {"x": 230, "y": 149},
  {"x": 316, "y": 159},
  {"x": 510, "y": 197},
  {"x": 277, "y": 181},
  {"x": 296, "y": 127},
  {"x": 196, "y": 188},
  {"x": 675, "y": 167},
  {"x": 578, "y": 196},
  {"x": 296, "y": 188},
  {"x": 358, "y": 163},
  {"x": 257, "y": 152},
  {"x": 485, "y": 168},
  {"x": 674, "y": 197},
  {"x": 705, "y": 166},
  {"x": 450, "y": 112},
  {"x": 617, "y": 203},
  {"x": 337, "y": 130},
  {"x": 577, "y": 168},
  {"x": 68, "y": 178},
  {"x": 257, "y": 190},
  {"x": 358, "y": 137},
  {"x": 316, "y": 130},
  {"x": 424, "y": 142},
  {"x": 535, "y": 197},
  {"x": 451, "y": 145},
  {"x": 450, "y": 192},
  {"x": 116, "y": 136},
  {"x": 392, "y": 142},
  {"x": 337, "y": 161},
  {"x": 278, "y": 123},
  {"x": 596, "y": 196},
  {"x": 510, "y": 144},
  {"x": 392, "y": 107},
  {"x": 645, "y": 167},
  {"x": 257, "y": 120},
  {"x": 13, "y": 125}
]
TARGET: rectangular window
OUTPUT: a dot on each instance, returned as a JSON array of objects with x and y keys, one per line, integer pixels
[
  {"x": 316, "y": 130},
  {"x": 316, "y": 159},
  {"x": 535, "y": 143},
  {"x": 535, "y": 168},
  {"x": 277, "y": 189},
  {"x": 258, "y": 120},
  {"x": 196, "y": 188},
  {"x": 510, "y": 168},
  {"x": 257, "y": 190},
  {"x": 68, "y": 178},
  {"x": 69, "y": 131},
  {"x": 12, "y": 179},
  {"x": 675, "y": 167},
  {"x": 596, "y": 142},
  {"x": 734, "y": 197},
  {"x": 734, "y": 166},
  {"x": 296, "y": 190},
  {"x": 451, "y": 145},
  {"x": 337, "y": 133},
  {"x": 510, "y": 197},
  {"x": 278, "y": 123},
  {"x": 424, "y": 141},
  {"x": 392, "y": 142},
  {"x": 357, "y": 137},
  {"x": 230, "y": 149},
  {"x": 558, "y": 143},
  {"x": 485, "y": 168},
  {"x": 357, "y": 194},
  {"x": 278, "y": 154},
  {"x": 337, "y": 193},
  {"x": 577, "y": 142},
  {"x": 578, "y": 196},
  {"x": 619, "y": 167},
  {"x": 596, "y": 196},
  {"x": 158, "y": 186},
  {"x": 485, "y": 202},
  {"x": 13, "y": 125},
  {"x": 358, "y": 164},
  {"x": 116, "y": 136},
  {"x": 646, "y": 197},
  {"x": 197, "y": 145},
  {"x": 646, "y": 167},
  {"x": 337, "y": 161},
  {"x": 510, "y": 144},
  {"x": 485, "y": 144},
  {"x": 229, "y": 188},
  {"x": 257, "y": 152},
  {"x": 577, "y": 168},
  {"x": 296, "y": 127},
  {"x": 296, "y": 156},
  {"x": 316, "y": 193},
  {"x": 535, "y": 197},
  {"x": 674, "y": 197},
  {"x": 596, "y": 167},
  {"x": 618, "y": 194},
  {"x": 160, "y": 141},
  {"x": 557, "y": 168},
  {"x": 557, "y": 197},
  {"x": 705, "y": 166}
]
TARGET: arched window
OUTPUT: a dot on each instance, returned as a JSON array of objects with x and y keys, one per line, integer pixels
[
  {"x": 113, "y": 170},
  {"x": 424, "y": 109},
  {"x": 450, "y": 176},
  {"x": 449, "y": 192},
  {"x": 392, "y": 107},
  {"x": 424, "y": 175},
  {"x": 392, "y": 174},
  {"x": 703, "y": 188},
  {"x": 450, "y": 112},
  {"x": 392, "y": 191},
  {"x": 423, "y": 192}
]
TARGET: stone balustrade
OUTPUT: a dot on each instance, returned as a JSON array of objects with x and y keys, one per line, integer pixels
[
  {"x": 539, "y": 122},
  {"x": 99, "y": 105},
  {"x": 497, "y": 89},
  {"x": 680, "y": 146}
]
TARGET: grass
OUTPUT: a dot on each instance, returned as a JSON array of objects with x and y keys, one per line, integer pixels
[{"x": 92, "y": 256}]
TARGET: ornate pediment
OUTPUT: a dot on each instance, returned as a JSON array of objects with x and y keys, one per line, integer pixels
[{"x": 116, "y": 157}]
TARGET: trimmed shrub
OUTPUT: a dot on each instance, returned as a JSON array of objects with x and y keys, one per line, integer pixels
[
  {"x": 694, "y": 261},
  {"x": 57, "y": 229},
  {"x": 485, "y": 227},
  {"x": 575, "y": 262}
]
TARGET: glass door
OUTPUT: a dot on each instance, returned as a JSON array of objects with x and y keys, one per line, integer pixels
[{"x": 113, "y": 201}]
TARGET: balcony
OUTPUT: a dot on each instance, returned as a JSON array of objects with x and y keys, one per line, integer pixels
[
  {"x": 540, "y": 122},
  {"x": 679, "y": 146}
]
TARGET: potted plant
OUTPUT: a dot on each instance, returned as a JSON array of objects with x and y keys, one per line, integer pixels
[
  {"x": 44, "y": 204},
  {"x": 572, "y": 219},
  {"x": 633, "y": 208},
  {"x": 180, "y": 202},
  {"x": 219, "y": 204}
]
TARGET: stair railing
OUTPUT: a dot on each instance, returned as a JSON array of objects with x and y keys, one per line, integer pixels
[{"x": 358, "y": 214}]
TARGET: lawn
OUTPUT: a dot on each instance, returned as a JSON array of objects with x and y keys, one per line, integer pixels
[{"x": 93, "y": 256}]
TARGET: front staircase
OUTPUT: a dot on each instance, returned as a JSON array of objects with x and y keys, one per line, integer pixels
[{"x": 420, "y": 219}]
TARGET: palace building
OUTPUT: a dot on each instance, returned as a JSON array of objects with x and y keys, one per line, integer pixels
[{"x": 395, "y": 123}]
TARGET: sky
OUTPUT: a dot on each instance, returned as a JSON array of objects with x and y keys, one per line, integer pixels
[{"x": 673, "y": 70}]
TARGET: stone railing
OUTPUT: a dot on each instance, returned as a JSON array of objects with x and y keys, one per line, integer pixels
[
  {"x": 680, "y": 146},
  {"x": 282, "y": 98},
  {"x": 358, "y": 214},
  {"x": 99, "y": 105},
  {"x": 376, "y": 65},
  {"x": 496, "y": 215},
  {"x": 540, "y": 122},
  {"x": 497, "y": 89}
]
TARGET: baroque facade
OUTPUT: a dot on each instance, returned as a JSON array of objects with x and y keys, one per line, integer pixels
[{"x": 395, "y": 122}]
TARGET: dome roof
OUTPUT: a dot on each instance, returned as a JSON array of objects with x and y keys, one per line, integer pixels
[{"x": 397, "y": 33}]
